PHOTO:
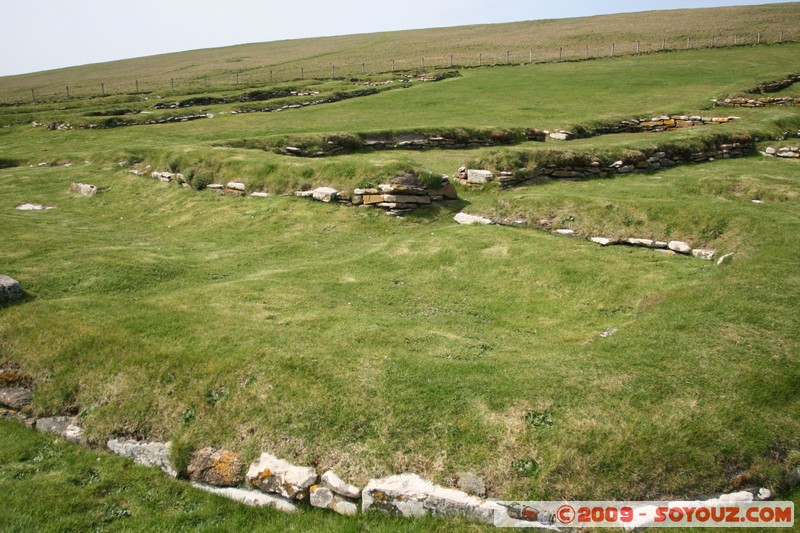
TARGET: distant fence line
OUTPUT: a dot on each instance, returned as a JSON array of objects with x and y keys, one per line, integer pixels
[{"x": 263, "y": 75}]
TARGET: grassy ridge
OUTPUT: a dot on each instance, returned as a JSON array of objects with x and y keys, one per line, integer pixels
[{"x": 377, "y": 51}]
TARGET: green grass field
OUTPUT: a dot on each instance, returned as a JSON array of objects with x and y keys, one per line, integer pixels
[{"x": 346, "y": 339}]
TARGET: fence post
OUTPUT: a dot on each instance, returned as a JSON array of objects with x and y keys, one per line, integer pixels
[
  {"x": 362, "y": 68},
  {"x": 451, "y": 61},
  {"x": 103, "y": 89},
  {"x": 713, "y": 40},
  {"x": 688, "y": 42},
  {"x": 392, "y": 65},
  {"x": 67, "y": 92},
  {"x": 302, "y": 74},
  {"x": 237, "y": 78},
  {"x": 33, "y": 95},
  {"x": 780, "y": 39},
  {"x": 560, "y": 53},
  {"x": 333, "y": 72},
  {"x": 530, "y": 55},
  {"x": 172, "y": 82},
  {"x": 735, "y": 40},
  {"x": 206, "y": 81},
  {"x": 612, "y": 49},
  {"x": 586, "y": 53},
  {"x": 480, "y": 59},
  {"x": 637, "y": 47},
  {"x": 270, "y": 75},
  {"x": 758, "y": 38},
  {"x": 663, "y": 44},
  {"x": 137, "y": 86},
  {"x": 422, "y": 62}
]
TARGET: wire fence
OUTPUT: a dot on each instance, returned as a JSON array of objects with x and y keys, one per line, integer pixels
[{"x": 311, "y": 70}]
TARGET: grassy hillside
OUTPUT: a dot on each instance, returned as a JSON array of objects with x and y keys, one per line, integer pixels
[
  {"x": 342, "y": 338},
  {"x": 407, "y": 48}
]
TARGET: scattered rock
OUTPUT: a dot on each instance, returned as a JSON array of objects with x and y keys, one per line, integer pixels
[
  {"x": 237, "y": 186},
  {"x": 219, "y": 468},
  {"x": 251, "y": 497},
  {"x": 471, "y": 484},
  {"x": 33, "y": 207},
  {"x": 15, "y": 397},
  {"x": 565, "y": 232},
  {"x": 757, "y": 201},
  {"x": 258, "y": 194},
  {"x": 84, "y": 189},
  {"x": 145, "y": 453},
  {"x": 607, "y": 333},
  {"x": 215, "y": 186},
  {"x": 647, "y": 243},
  {"x": 335, "y": 483},
  {"x": 479, "y": 177},
  {"x": 10, "y": 289},
  {"x": 325, "y": 498},
  {"x": 274, "y": 475},
  {"x": 603, "y": 241},
  {"x": 61, "y": 425},
  {"x": 464, "y": 218},
  {"x": 324, "y": 194},
  {"x": 701, "y": 253},
  {"x": 679, "y": 247},
  {"x": 410, "y": 495}
]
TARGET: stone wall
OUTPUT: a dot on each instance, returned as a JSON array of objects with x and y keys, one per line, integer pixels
[
  {"x": 775, "y": 86},
  {"x": 661, "y": 123},
  {"x": 596, "y": 168},
  {"x": 763, "y": 101},
  {"x": 398, "y": 197}
]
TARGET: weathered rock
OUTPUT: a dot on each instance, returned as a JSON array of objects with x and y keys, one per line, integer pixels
[
  {"x": 464, "y": 218},
  {"x": 33, "y": 207},
  {"x": 144, "y": 453},
  {"x": 61, "y": 425},
  {"x": 251, "y": 497},
  {"x": 603, "y": 241},
  {"x": 770, "y": 150},
  {"x": 701, "y": 253},
  {"x": 324, "y": 194},
  {"x": 648, "y": 243},
  {"x": 325, "y": 498},
  {"x": 83, "y": 189},
  {"x": 274, "y": 475},
  {"x": 479, "y": 177},
  {"x": 565, "y": 231},
  {"x": 220, "y": 468},
  {"x": 471, "y": 484},
  {"x": 725, "y": 259},
  {"x": 679, "y": 247},
  {"x": 448, "y": 191},
  {"x": 335, "y": 483},
  {"x": 410, "y": 495},
  {"x": 10, "y": 289},
  {"x": 258, "y": 194},
  {"x": 15, "y": 397},
  {"x": 215, "y": 186},
  {"x": 237, "y": 186}
]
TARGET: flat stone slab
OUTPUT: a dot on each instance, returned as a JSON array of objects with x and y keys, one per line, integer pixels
[
  {"x": 84, "y": 189},
  {"x": 61, "y": 425},
  {"x": 144, "y": 453},
  {"x": 464, "y": 218},
  {"x": 335, "y": 483},
  {"x": 220, "y": 468},
  {"x": 15, "y": 397},
  {"x": 10, "y": 289},
  {"x": 251, "y": 497},
  {"x": 33, "y": 207},
  {"x": 410, "y": 495},
  {"x": 479, "y": 177}
]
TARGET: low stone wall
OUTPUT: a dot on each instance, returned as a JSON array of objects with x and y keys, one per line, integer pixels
[
  {"x": 765, "y": 101},
  {"x": 788, "y": 152},
  {"x": 644, "y": 162},
  {"x": 775, "y": 86},
  {"x": 398, "y": 197},
  {"x": 416, "y": 141},
  {"x": 660, "y": 124}
]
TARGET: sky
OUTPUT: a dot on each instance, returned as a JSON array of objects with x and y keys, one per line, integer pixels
[{"x": 49, "y": 34}]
